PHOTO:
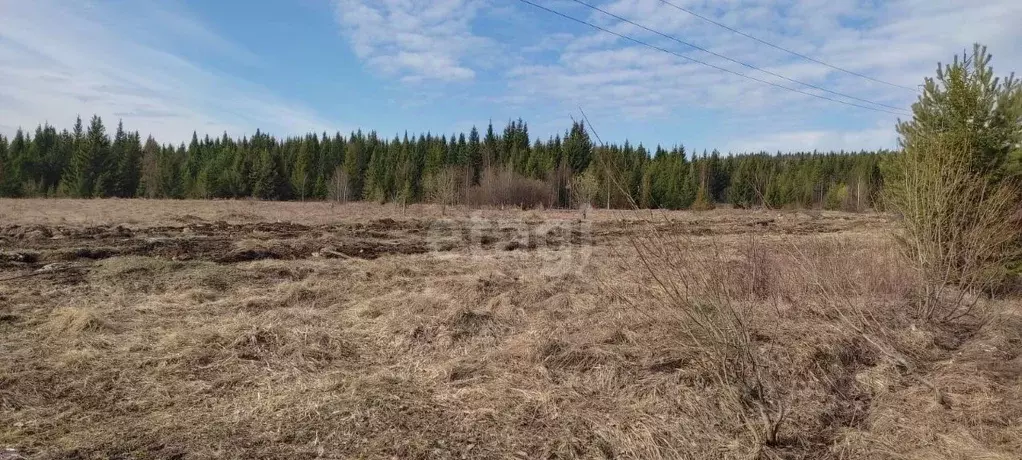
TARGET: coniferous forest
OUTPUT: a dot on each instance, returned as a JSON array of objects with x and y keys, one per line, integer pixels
[{"x": 477, "y": 168}]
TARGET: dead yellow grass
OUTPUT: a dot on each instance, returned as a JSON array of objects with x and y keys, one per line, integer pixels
[{"x": 481, "y": 353}]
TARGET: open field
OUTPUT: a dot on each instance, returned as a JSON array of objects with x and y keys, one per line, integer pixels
[{"x": 234, "y": 329}]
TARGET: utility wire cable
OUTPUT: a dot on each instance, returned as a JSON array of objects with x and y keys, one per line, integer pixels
[
  {"x": 722, "y": 69},
  {"x": 750, "y": 66},
  {"x": 591, "y": 128},
  {"x": 786, "y": 50}
]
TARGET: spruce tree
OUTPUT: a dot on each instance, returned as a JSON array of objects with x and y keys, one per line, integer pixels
[
  {"x": 461, "y": 157},
  {"x": 76, "y": 181},
  {"x": 129, "y": 158},
  {"x": 376, "y": 177},
  {"x": 150, "y": 185},
  {"x": 268, "y": 177},
  {"x": 475, "y": 155},
  {"x": 578, "y": 148},
  {"x": 355, "y": 163},
  {"x": 53, "y": 151},
  {"x": 102, "y": 154},
  {"x": 4, "y": 164},
  {"x": 14, "y": 174},
  {"x": 301, "y": 171},
  {"x": 491, "y": 148}
]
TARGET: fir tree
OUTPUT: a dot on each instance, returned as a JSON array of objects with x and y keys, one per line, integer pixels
[
  {"x": 475, "y": 155},
  {"x": 578, "y": 148},
  {"x": 4, "y": 165},
  {"x": 79, "y": 178},
  {"x": 18, "y": 163},
  {"x": 490, "y": 148},
  {"x": 105, "y": 157},
  {"x": 302, "y": 170},
  {"x": 268, "y": 177}
]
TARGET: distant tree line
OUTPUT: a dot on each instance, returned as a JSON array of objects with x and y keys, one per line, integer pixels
[{"x": 475, "y": 168}]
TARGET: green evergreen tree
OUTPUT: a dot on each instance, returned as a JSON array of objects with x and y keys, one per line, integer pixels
[
  {"x": 967, "y": 103},
  {"x": 4, "y": 165},
  {"x": 475, "y": 155},
  {"x": 578, "y": 148},
  {"x": 355, "y": 163},
  {"x": 105, "y": 157},
  {"x": 129, "y": 163},
  {"x": 268, "y": 177},
  {"x": 19, "y": 155},
  {"x": 301, "y": 172},
  {"x": 491, "y": 148},
  {"x": 80, "y": 178},
  {"x": 86, "y": 164}
]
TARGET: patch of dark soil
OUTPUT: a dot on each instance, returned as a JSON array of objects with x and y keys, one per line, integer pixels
[
  {"x": 384, "y": 224},
  {"x": 183, "y": 248},
  {"x": 189, "y": 219},
  {"x": 20, "y": 257},
  {"x": 247, "y": 255},
  {"x": 370, "y": 249},
  {"x": 91, "y": 253},
  {"x": 71, "y": 276},
  {"x": 26, "y": 232},
  {"x": 277, "y": 229},
  {"x": 487, "y": 241},
  {"x": 668, "y": 366},
  {"x": 217, "y": 241}
]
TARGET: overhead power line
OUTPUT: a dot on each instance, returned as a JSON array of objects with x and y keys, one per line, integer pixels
[
  {"x": 786, "y": 50},
  {"x": 697, "y": 61},
  {"x": 744, "y": 64}
]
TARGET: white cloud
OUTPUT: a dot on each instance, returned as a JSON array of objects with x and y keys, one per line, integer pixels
[
  {"x": 413, "y": 40},
  {"x": 822, "y": 140},
  {"x": 898, "y": 41},
  {"x": 59, "y": 59}
]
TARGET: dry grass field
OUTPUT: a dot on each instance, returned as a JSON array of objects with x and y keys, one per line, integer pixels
[{"x": 207, "y": 329}]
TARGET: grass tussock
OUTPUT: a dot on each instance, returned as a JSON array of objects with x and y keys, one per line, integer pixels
[{"x": 72, "y": 322}]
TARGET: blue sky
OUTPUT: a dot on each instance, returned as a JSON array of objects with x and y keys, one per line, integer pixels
[{"x": 289, "y": 67}]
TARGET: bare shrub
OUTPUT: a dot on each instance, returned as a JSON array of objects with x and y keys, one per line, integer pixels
[
  {"x": 703, "y": 200},
  {"x": 501, "y": 186},
  {"x": 958, "y": 229},
  {"x": 442, "y": 188},
  {"x": 692, "y": 286},
  {"x": 339, "y": 186},
  {"x": 584, "y": 188}
]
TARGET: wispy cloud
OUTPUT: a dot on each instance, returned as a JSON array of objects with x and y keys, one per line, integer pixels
[
  {"x": 412, "y": 40},
  {"x": 822, "y": 140},
  {"x": 59, "y": 59},
  {"x": 168, "y": 72},
  {"x": 561, "y": 65}
]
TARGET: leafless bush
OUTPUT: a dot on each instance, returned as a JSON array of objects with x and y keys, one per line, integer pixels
[
  {"x": 442, "y": 188},
  {"x": 692, "y": 285},
  {"x": 501, "y": 186},
  {"x": 583, "y": 190},
  {"x": 958, "y": 229},
  {"x": 339, "y": 186}
]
